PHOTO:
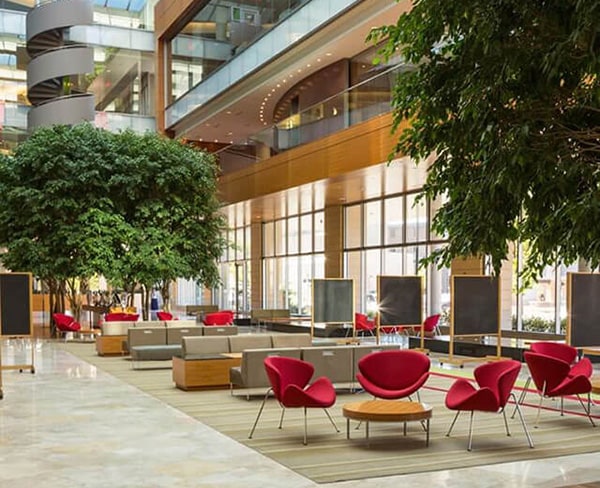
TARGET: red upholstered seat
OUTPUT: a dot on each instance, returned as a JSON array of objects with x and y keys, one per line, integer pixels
[
  {"x": 495, "y": 382},
  {"x": 363, "y": 324},
  {"x": 121, "y": 317},
  {"x": 289, "y": 379},
  {"x": 223, "y": 317},
  {"x": 393, "y": 374},
  {"x": 563, "y": 352},
  {"x": 65, "y": 324},
  {"x": 164, "y": 316},
  {"x": 554, "y": 377}
]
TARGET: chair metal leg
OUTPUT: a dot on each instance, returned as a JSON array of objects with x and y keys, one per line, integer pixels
[
  {"x": 305, "y": 428},
  {"x": 587, "y": 410},
  {"x": 470, "y": 431},
  {"x": 331, "y": 420},
  {"x": 521, "y": 399},
  {"x": 537, "y": 417},
  {"x": 259, "y": 413},
  {"x": 281, "y": 418},
  {"x": 452, "y": 424},
  {"x": 505, "y": 422},
  {"x": 518, "y": 409},
  {"x": 562, "y": 406}
]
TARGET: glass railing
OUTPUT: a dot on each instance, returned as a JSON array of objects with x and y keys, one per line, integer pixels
[
  {"x": 350, "y": 107},
  {"x": 308, "y": 18}
]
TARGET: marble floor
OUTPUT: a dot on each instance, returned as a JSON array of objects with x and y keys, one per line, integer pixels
[{"x": 72, "y": 425}]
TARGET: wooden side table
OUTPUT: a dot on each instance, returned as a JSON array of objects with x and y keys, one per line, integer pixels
[{"x": 387, "y": 411}]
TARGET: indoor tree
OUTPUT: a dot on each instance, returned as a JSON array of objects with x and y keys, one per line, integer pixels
[
  {"x": 504, "y": 96},
  {"x": 80, "y": 201}
]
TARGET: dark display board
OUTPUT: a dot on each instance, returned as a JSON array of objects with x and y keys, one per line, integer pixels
[
  {"x": 583, "y": 309},
  {"x": 400, "y": 300},
  {"x": 333, "y": 301},
  {"x": 475, "y": 305},
  {"x": 15, "y": 304}
]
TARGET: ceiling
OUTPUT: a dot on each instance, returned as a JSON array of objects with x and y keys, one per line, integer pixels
[{"x": 234, "y": 120}]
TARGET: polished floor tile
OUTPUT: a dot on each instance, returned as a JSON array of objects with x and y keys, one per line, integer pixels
[{"x": 72, "y": 425}]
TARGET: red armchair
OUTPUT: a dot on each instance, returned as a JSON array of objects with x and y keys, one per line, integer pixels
[
  {"x": 554, "y": 377},
  {"x": 565, "y": 353},
  {"x": 495, "y": 382},
  {"x": 223, "y": 317},
  {"x": 65, "y": 324},
  {"x": 121, "y": 317},
  {"x": 289, "y": 379},
  {"x": 363, "y": 324},
  {"x": 164, "y": 316},
  {"x": 393, "y": 374}
]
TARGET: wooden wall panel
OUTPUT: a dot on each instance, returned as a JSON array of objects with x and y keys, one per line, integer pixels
[
  {"x": 472, "y": 265},
  {"x": 334, "y": 242},
  {"x": 356, "y": 147}
]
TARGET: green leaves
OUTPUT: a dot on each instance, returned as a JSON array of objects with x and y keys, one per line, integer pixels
[
  {"x": 139, "y": 209},
  {"x": 506, "y": 97}
]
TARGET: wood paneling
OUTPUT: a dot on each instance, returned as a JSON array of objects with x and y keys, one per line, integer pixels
[
  {"x": 334, "y": 242},
  {"x": 472, "y": 265},
  {"x": 329, "y": 158},
  {"x": 202, "y": 373}
]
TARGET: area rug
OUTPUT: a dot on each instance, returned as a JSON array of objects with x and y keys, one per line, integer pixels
[{"x": 330, "y": 457}]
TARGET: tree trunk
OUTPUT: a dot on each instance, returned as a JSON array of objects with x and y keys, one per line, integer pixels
[
  {"x": 165, "y": 291},
  {"x": 146, "y": 291}
]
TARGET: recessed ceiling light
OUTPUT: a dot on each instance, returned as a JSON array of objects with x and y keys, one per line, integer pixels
[
  {"x": 216, "y": 140},
  {"x": 278, "y": 85},
  {"x": 318, "y": 60},
  {"x": 308, "y": 65},
  {"x": 328, "y": 54},
  {"x": 228, "y": 112}
]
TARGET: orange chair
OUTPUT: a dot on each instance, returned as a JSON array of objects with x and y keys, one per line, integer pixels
[
  {"x": 495, "y": 382},
  {"x": 289, "y": 379},
  {"x": 65, "y": 324}
]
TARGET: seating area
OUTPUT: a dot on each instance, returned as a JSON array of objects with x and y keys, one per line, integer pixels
[
  {"x": 337, "y": 362},
  {"x": 114, "y": 335}
]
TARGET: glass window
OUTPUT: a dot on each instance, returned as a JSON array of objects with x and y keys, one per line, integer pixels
[
  {"x": 269, "y": 284},
  {"x": 394, "y": 220},
  {"x": 416, "y": 219},
  {"x": 269, "y": 239},
  {"x": 353, "y": 223},
  {"x": 372, "y": 230},
  {"x": 239, "y": 243},
  {"x": 319, "y": 226},
  {"x": 353, "y": 271},
  {"x": 293, "y": 237},
  {"x": 393, "y": 261},
  {"x": 280, "y": 237},
  {"x": 306, "y": 235}
]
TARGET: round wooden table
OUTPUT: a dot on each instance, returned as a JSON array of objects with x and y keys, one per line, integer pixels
[
  {"x": 595, "y": 385},
  {"x": 387, "y": 411}
]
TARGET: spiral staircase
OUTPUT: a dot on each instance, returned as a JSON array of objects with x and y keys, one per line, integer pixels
[{"x": 56, "y": 65}]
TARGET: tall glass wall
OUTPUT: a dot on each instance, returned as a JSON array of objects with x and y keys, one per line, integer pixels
[
  {"x": 390, "y": 236},
  {"x": 235, "y": 289},
  {"x": 292, "y": 257}
]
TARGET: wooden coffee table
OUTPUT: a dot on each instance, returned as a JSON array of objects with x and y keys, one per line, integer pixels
[{"x": 387, "y": 411}]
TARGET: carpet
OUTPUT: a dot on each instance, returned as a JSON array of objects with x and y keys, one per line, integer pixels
[{"x": 330, "y": 457}]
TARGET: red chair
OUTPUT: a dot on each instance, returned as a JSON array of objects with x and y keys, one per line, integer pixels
[
  {"x": 289, "y": 379},
  {"x": 393, "y": 374},
  {"x": 565, "y": 353},
  {"x": 164, "y": 316},
  {"x": 65, "y": 324},
  {"x": 224, "y": 317},
  {"x": 430, "y": 326},
  {"x": 554, "y": 377},
  {"x": 495, "y": 382},
  {"x": 363, "y": 324},
  {"x": 121, "y": 317}
]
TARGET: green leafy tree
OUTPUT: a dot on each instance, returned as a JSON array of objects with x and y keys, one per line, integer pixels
[
  {"x": 505, "y": 98},
  {"x": 139, "y": 209}
]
